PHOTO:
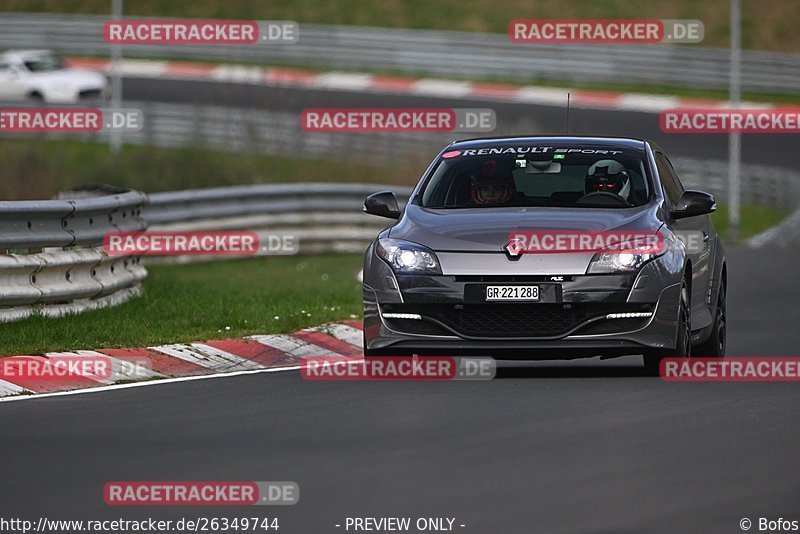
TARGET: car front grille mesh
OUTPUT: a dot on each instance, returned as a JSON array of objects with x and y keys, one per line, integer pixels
[{"x": 500, "y": 320}]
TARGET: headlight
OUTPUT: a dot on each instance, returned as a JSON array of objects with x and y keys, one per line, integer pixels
[
  {"x": 407, "y": 257},
  {"x": 627, "y": 261}
]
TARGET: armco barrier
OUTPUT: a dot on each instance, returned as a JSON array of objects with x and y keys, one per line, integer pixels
[
  {"x": 67, "y": 222},
  {"x": 322, "y": 217},
  {"x": 51, "y": 265}
]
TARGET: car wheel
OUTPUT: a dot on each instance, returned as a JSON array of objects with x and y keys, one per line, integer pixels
[
  {"x": 714, "y": 346},
  {"x": 683, "y": 346}
]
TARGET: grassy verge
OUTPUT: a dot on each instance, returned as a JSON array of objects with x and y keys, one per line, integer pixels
[
  {"x": 752, "y": 219},
  {"x": 215, "y": 300},
  {"x": 766, "y": 29},
  {"x": 34, "y": 169}
]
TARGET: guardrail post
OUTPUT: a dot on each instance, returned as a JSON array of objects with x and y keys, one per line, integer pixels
[{"x": 734, "y": 138}]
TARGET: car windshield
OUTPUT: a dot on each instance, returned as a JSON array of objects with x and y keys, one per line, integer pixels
[
  {"x": 43, "y": 63},
  {"x": 563, "y": 176}
]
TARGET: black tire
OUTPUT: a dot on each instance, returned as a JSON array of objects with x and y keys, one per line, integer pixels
[
  {"x": 683, "y": 345},
  {"x": 714, "y": 346}
]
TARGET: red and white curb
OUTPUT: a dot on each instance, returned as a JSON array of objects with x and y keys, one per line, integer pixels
[
  {"x": 400, "y": 85},
  {"x": 252, "y": 354}
]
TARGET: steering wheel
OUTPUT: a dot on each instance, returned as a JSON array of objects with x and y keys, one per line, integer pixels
[{"x": 597, "y": 197}]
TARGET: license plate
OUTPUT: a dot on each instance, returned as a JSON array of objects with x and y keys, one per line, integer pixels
[{"x": 512, "y": 293}]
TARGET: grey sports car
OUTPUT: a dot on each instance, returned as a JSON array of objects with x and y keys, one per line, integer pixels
[{"x": 457, "y": 273}]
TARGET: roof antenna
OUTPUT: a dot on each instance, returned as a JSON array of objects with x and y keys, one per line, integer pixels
[{"x": 567, "y": 114}]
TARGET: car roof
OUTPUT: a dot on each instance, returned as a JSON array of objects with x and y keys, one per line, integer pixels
[{"x": 606, "y": 142}]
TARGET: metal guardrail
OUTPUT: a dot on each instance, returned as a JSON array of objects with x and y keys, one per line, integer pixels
[
  {"x": 762, "y": 185},
  {"x": 65, "y": 222},
  {"x": 65, "y": 272},
  {"x": 51, "y": 266},
  {"x": 440, "y": 53},
  {"x": 258, "y": 199},
  {"x": 321, "y": 217}
]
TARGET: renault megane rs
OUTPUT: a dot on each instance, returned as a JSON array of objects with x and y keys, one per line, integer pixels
[{"x": 546, "y": 247}]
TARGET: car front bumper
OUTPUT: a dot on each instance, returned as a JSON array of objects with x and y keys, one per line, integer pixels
[{"x": 577, "y": 315}]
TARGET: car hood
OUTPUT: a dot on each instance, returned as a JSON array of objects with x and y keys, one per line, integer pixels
[{"x": 488, "y": 229}]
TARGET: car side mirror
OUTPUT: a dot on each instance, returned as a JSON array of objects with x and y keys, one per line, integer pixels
[
  {"x": 383, "y": 204},
  {"x": 693, "y": 203}
]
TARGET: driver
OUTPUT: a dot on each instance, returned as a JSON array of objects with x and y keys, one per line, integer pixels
[
  {"x": 608, "y": 176},
  {"x": 492, "y": 186}
]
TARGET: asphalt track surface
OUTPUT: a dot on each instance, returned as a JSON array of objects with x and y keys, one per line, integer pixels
[
  {"x": 583, "y": 447},
  {"x": 512, "y": 118},
  {"x": 580, "y": 447}
]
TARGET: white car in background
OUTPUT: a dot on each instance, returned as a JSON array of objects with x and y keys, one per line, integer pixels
[{"x": 40, "y": 75}]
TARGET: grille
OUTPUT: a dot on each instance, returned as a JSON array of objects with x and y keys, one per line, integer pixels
[{"x": 520, "y": 320}]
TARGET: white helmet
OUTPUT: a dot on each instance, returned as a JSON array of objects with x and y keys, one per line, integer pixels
[{"x": 608, "y": 176}]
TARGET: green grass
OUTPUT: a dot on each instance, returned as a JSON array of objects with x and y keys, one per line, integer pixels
[
  {"x": 752, "y": 219},
  {"x": 204, "y": 301},
  {"x": 771, "y": 27},
  {"x": 36, "y": 169}
]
